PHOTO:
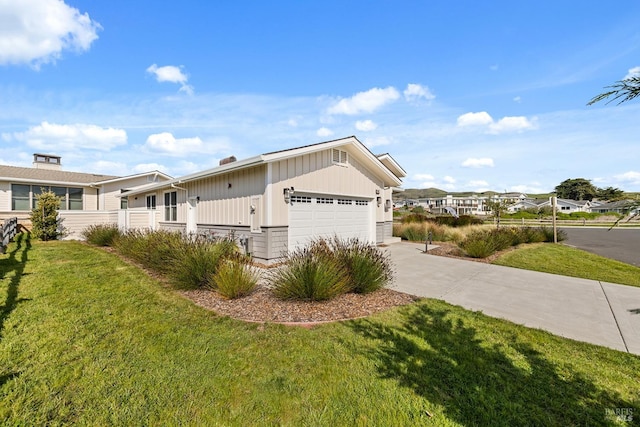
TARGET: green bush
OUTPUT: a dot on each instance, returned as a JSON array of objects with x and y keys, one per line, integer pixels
[
  {"x": 154, "y": 249},
  {"x": 477, "y": 247},
  {"x": 461, "y": 221},
  {"x": 101, "y": 234},
  {"x": 368, "y": 268},
  {"x": 45, "y": 223},
  {"x": 481, "y": 244},
  {"x": 234, "y": 278},
  {"x": 198, "y": 259},
  {"x": 312, "y": 273},
  {"x": 414, "y": 217}
]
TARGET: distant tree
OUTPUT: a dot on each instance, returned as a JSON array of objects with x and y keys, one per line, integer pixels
[
  {"x": 576, "y": 189},
  {"x": 497, "y": 208},
  {"x": 623, "y": 90},
  {"x": 610, "y": 193},
  {"x": 45, "y": 224}
]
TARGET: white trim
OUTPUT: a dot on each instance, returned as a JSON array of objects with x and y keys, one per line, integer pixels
[{"x": 268, "y": 192}]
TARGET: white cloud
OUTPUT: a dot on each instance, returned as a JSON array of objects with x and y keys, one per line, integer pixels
[
  {"x": 323, "y": 131},
  {"x": 376, "y": 142},
  {"x": 517, "y": 99},
  {"x": 366, "y": 125},
  {"x": 533, "y": 188},
  {"x": 171, "y": 74},
  {"x": 423, "y": 177},
  {"x": 414, "y": 92},
  {"x": 55, "y": 137},
  {"x": 633, "y": 72},
  {"x": 630, "y": 178},
  {"x": 365, "y": 102},
  {"x": 36, "y": 32},
  {"x": 107, "y": 168},
  {"x": 475, "y": 119},
  {"x": 478, "y": 183},
  {"x": 494, "y": 67},
  {"x": 478, "y": 162},
  {"x": 148, "y": 167},
  {"x": 511, "y": 124},
  {"x": 166, "y": 143},
  {"x": 292, "y": 122},
  {"x": 449, "y": 180},
  {"x": 505, "y": 124}
]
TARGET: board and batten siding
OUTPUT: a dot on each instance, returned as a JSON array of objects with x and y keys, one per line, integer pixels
[
  {"x": 316, "y": 172},
  {"x": 226, "y": 199}
]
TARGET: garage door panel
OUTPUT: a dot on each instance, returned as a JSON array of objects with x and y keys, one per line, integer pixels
[{"x": 326, "y": 217}]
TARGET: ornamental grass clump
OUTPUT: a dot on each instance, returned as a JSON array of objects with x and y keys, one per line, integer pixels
[
  {"x": 153, "y": 249},
  {"x": 234, "y": 278},
  {"x": 312, "y": 273},
  {"x": 198, "y": 259},
  {"x": 368, "y": 268},
  {"x": 101, "y": 234}
]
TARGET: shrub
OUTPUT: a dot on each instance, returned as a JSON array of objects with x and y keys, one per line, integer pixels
[
  {"x": 153, "y": 249},
  {"x": 311, "y": 273},
  {"x": 368, "y": 269},
  {"x": 198, "y": 259},
  {"x": 461, "y": 221},
  {"x": 477, "y": 247},
  {"x": 234, "y": 278},
  {"x": 101, "y": 234},
  {"x": 46, "y": 225},
  {"x": 415, "y": 232},
  {"x": 414, "y": 217}
]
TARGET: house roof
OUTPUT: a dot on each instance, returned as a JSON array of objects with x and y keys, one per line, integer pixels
[
  {"x": 392, "y": 165},
  {"x": 361, "y": 152},
  {"x": 49, "y": 176},
  {"x": 53, "y": 176}
]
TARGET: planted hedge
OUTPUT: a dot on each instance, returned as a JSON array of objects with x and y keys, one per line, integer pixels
[{"x": 483, "y": 243}]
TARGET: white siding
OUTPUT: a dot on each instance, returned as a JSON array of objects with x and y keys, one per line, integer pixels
[{"x": 76, "y": 221}]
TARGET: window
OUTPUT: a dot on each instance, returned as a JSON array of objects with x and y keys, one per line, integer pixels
[
  {"x": 61, "y": 192},
  {"x": 324, "y": 200},
  {"x": 151, "y": 202},
  {"x": 339, "y": 156},
  {"x": 171, "y": 206},
  {"x": 75, "y": 199},
  {"x": 344, "y": 201},
  {"x": 20, "y": 197},
  {"x": 364, "y": 202},
  {"x": 300, "y": 199}
]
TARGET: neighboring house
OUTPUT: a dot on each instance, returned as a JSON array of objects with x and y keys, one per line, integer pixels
[
  {"x": 569, "y": 206},
  {"x": 86, "y": 198},
  {"x": 619, "y": 207},
  {"x": 279, "y": 201},
  {"x": 522, "y": 205},
  {"x": 462, "y": 205}
]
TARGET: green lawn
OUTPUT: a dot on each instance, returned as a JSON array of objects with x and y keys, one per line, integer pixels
[
  {"x": 568, "y": 261},
  {"x": 88, "y": 339}
]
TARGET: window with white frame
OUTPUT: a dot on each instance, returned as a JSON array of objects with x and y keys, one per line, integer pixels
[
  {"x": 339, "y": 156},
  {"x": 151, "y": 201},
  {"x": 171, "y": 206},
  {"x": 25, "y": 197}
]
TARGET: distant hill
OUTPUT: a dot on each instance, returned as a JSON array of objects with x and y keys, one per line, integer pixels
[{"x": 427, "y": 193}]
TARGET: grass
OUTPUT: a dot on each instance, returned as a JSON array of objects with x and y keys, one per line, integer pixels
[
  {"x": 567, "y": 261},
  {"x": 88, "y": 339}
]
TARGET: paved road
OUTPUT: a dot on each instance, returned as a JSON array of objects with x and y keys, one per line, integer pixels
[
  {"x": 622, "y": 244},
  {"x": 587, "y": 310}
]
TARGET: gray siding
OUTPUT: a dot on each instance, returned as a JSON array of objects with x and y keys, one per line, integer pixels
[{"x": 267, "y": 246}]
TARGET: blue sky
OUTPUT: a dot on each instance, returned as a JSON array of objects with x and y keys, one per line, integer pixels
[{"x": 466, "y": 96}]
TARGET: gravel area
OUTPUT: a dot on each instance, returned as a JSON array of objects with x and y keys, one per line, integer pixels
[{"x": 262, "y": 306}]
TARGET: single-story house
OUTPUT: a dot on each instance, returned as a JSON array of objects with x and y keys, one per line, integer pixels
[
  {"x": 278, "y": 201},
  {"x": 569, "y": 206},
  {"x": 86, "y": 198},
  {"x": 619, "y": 207}
]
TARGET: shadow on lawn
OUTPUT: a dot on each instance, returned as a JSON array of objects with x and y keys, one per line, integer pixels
[
  {"x": 478, "y": 383},
  {"x": 11, "y": 264}
]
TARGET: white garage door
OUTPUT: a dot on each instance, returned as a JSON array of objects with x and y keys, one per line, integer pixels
[{"x": 313, "y": 216}]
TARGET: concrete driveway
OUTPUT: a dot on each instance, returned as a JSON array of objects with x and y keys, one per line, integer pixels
[{"x": 601, "y": 313}]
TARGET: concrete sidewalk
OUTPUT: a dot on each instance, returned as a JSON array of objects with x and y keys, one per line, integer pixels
[{"x": 586, "y": 310}]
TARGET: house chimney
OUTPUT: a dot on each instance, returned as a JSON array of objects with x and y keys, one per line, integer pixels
[
  {"x": 227, "y": 160},
  {"x": 47, "y": 161}
]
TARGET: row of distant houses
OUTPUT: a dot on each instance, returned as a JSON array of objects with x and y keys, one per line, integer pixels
[
  {"x": 275, "y": 201},
  {"x": 479, "y": 205}
]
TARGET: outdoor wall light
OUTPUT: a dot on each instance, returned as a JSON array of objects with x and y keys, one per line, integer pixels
[
  {"x": 379, "y": 201},
  {"x": 387, "y": 204},
  {"x": 287, "y": 192}
]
